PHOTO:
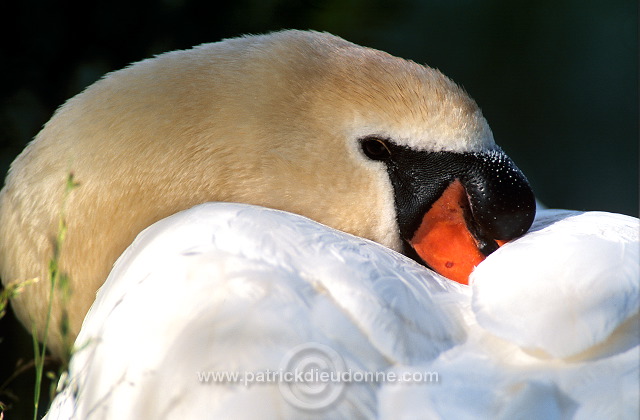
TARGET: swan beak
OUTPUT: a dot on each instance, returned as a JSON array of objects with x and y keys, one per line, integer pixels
[
  {"x": 468, "y": 222},
  {"x": 443, "y": 240}
]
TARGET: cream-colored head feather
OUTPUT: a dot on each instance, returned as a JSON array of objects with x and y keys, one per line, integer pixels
[{"x": 271, "y": 120}]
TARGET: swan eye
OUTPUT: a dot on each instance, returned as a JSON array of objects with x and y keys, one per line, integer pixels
[{"x": 375, "y": 149}]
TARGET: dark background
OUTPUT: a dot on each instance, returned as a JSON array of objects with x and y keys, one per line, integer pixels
[{"x": 556, "y": 79}]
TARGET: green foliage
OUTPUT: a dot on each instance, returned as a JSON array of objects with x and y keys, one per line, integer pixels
[
  {"x": 59, "y": 281},
  {"x": 11, "y": 291}
]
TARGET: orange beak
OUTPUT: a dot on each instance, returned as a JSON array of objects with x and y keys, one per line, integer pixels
[{"x": 443, "y": 239}]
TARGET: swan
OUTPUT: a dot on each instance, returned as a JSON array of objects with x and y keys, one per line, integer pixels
[
  {"x": 547, "y": 327},
  {"x": 301, "y": 121}
]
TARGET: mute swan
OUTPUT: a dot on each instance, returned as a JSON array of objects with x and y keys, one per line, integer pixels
[
  {"x": 306, "y": 122},
  {"x": 547, "y": 329}
]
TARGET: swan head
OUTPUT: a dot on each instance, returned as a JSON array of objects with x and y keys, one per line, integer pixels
[{"x": 386, "y": 149}]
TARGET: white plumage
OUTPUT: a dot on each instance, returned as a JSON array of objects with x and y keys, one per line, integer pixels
[{"x": 548, "y": 328}]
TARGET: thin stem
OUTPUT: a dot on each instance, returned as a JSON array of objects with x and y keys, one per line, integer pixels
[{"x": 54, "y": 276}]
